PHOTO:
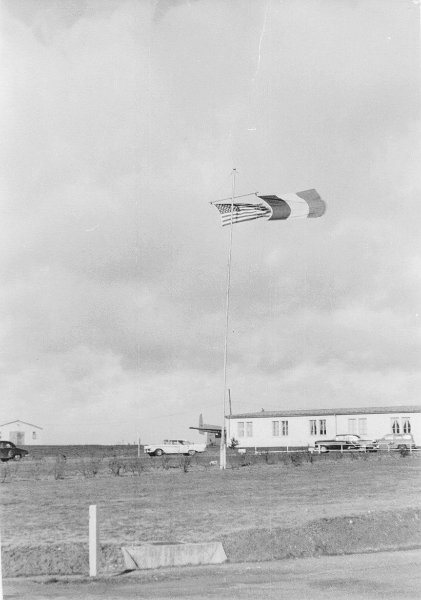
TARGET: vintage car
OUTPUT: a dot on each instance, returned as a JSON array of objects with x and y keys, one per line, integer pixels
[
  {"x": 364, "y": 444},
  {"x": 174, "y": 447},
  {"x": 396, "y": 441},
  {"x": 345, "y": 441},
  {"x": 8, "y": 451}
]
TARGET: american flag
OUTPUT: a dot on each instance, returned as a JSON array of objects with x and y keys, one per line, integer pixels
[{"x": 241, "y": 212}]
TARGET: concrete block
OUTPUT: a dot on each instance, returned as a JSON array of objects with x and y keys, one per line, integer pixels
[{"x": 152, "y": 555}]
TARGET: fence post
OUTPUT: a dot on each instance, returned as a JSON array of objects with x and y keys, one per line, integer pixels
[
  {"x": 1, "y": 574},
  {"x": 93, "y": 541}
]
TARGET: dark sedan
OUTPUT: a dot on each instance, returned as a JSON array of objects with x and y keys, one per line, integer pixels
[
  {"x": 8, "y": 451},
  {"x": 347, "y": 441},
  {"x": 326, "y": 445}
]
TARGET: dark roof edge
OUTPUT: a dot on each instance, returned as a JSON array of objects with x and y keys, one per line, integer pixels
[
  {"x": 19, "y": 421},
  {"x": 361, "y": 410}
]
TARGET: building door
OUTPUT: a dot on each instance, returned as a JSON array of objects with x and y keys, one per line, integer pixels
[
  {"x": 362, "y": 427},
  {"x": 17, "y": 437},
  {"x": 352, "y": 425}
]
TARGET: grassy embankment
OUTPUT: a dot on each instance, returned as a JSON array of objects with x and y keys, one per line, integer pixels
[{"x": 277, "y": 506}]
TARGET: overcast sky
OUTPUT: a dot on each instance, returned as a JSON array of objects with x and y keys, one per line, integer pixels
[{"x": 121, "y": 121}]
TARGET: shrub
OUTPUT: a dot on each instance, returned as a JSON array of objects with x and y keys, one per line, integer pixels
[
  {"x": 4, "y": 472},
  {"x": 186, "y": 463},
  {"x": 165, "y": 462},
  {"x": 59, "y": 467},
  {"x": 296, "y": 459},
  {"x": 271, "y": 458},
  {"x": 135, "y": 466},
  {"x": 89, "y": 467},
  {"x": 37, "y": 467},
  {"x": 116, "y": 466}
]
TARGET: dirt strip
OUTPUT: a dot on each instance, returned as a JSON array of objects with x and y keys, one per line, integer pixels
[{"x": 371, "y": 532}]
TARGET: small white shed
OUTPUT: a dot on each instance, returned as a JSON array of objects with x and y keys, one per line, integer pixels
[{"x": 21, "y": 433}]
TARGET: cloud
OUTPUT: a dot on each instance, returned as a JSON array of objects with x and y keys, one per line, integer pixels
[{"x": 121, "y": 122}]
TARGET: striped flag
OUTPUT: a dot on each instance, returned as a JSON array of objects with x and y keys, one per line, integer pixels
[
  {"x": 299, "y": 205},
  {"x": 239, "y": 212}
]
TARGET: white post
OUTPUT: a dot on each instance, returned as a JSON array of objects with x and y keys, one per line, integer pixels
[
  {"x": 93, "y": 541},
  {"x": 223, "y": 447},
  {"x": 1, "y": 574}
]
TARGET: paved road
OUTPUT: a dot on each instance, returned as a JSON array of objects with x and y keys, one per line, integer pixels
[{"x": 385, "y": 576}]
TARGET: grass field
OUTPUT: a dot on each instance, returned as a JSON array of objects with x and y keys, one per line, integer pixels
[{"x": 47, "y": 501}]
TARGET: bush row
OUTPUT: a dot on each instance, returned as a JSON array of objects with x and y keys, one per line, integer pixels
[{"x": 61, "y": 467}]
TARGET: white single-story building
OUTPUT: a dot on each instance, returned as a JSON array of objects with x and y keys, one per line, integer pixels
[
  {"x": 301, "y": 428},
  {"x": 21, "y": 433}
]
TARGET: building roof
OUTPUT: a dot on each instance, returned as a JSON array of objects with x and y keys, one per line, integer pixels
[
  {"x": 208, "y": 428},
  {"x": 321, "y": 412},
  {"x": 19, "y": 421}
]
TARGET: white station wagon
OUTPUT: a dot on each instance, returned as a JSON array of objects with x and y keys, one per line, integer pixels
[{"x": 174, "y": 447}]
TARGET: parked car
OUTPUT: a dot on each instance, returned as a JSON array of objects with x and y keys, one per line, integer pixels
[
  {"x": 174, "y": 447},
  {"x": 345, "y": 441},
  {"x": 364, "y": 444},
  {"x": 396, "y": 441},
  {"x": 8, "y": 451}
]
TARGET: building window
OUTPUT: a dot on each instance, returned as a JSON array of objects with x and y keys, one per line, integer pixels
[
  {"x": 313, "y": 427},
  {"x": 240, "y": 429},
  {"x": 362, "y": 426},
  {"x": 249, "y": 429},
  {"x": 284, "y": 425},
  {"x": 395, "y": 426},
  {"x": 322, "y": 426},
  {"x": 406, "y": 425},
  {"x": 34, "y": 435},
  {"x": 275, "y": 428},
  {"x": 352, "y": 425}
]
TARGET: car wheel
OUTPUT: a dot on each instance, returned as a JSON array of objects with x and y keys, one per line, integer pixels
[
  {"x": 159, "y": 452},
  {"x": 18, "y": 456},
  {"x": 191, "y": 452},
  {"x": 323, "y": 449}
]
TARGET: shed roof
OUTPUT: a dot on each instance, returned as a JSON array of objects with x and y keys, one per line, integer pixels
[
  {"x": 19, "y": 421},
  {"x": 321, "y": 412}
]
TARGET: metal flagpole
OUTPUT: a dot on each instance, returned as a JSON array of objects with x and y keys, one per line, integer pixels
[{"x": 223, "y": 447}]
